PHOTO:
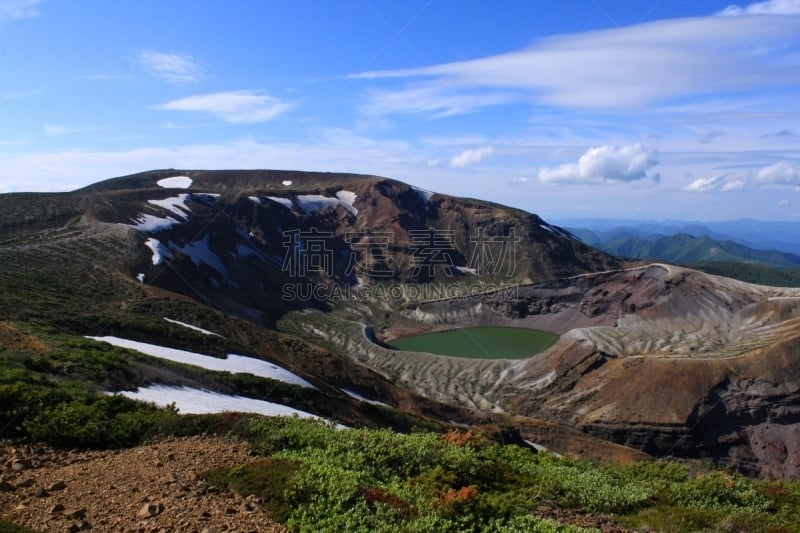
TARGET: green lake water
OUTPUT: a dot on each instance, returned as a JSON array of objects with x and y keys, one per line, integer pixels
[{"x": 480, "y": 342}]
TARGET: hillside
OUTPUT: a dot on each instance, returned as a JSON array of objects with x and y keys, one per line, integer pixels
[
  {"x": 133, "y": 259},
  {"x": 682, "y": 248},
  {"x": 277, "y": 292}
]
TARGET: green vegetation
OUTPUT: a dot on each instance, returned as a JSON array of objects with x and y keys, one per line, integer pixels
[
  {"x": 480, "y": 342},
  {"x": 319, "y": 478},
  {"x": 39, "y": 405}
]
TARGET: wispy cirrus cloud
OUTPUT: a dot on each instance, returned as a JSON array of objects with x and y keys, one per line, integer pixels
[
  {"x": 57, "y": 130},
  {"x": 235, "y": 107},
  {"x": 174, "y": 68},
  {"x": 18, "y": 9},
  {"x": 624, "y": 68},
  {"x": 430, "y": 99},
  {"x": 605, "y": 164}
]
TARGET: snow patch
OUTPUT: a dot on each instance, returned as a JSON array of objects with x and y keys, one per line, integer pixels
[
  {"x": 255, "y": 199},
  {"x": 175, "y": 182},
  {"x": 316, "y": 202},
  {"x": 361, "y": 398},
  {"x": 160, "y": 252},
  {"x": 176, "y": 205},
  {"x": 237, "y": 364},
  {"x": 140, "y": 277},
  {"x": 348, "y": 198},
  {"x": 206, "y": 197},
  {"x": 554, "y": 231},
  {"x": 425, "y": 195},
  {"x": 285, "y": 202},
  {"x": 197, "y": 401},
  {"x": 466, "y": 270},
  {"x": 286, "y": 183},
  {"x": 200, "y": 252},
  {"x": 184, "y": 324},
  {"x": 152, "y": 223},
  {"x": 540, "y": 448}
]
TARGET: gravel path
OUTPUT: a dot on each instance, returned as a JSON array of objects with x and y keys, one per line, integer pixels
[{"x": 150, "y": 488}]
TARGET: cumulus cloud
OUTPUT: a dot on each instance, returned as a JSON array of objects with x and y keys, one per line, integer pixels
[
  {"x": 473, "y": 156},
  {"x": 613, "y": 69},
  {"x": 603, "y": 164},
  {"x": 18, "y": 9},
  {"x": 782, "y": 173},
  {"x": 174, "y": 68},
  {"x": 770, "y": 7},
  {"x": 723, "y": 183},
  {"x": 236, "y": 107}
]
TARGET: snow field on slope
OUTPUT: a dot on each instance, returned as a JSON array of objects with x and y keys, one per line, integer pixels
[
  {"x": 197, "y": 401},
  {"x": 233, "y": 363},
  {"x": 285, "y": 202},
  {"x": 310, "y": 203},
  {"x": 160, "y": 252},
  {"x": 175, "y": 182},
  {"x": 175, "y": 204}
]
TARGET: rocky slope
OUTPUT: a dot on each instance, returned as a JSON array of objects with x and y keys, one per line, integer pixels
[
  {"x": 153, "y": 488},
  {"x": 665, "y": 359}
]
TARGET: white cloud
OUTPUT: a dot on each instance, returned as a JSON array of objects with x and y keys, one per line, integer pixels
[
  {"x": 174, "y": 68},
  {"x": 236, "y": 107},
  {"x": 473, "y": 156},
  {"x": 782, "y": 173},
  {"x": 736, "y": 184},
  {"x": 605, "y": 164},
  {"x": 18, "y": 9},
  {"x": 722, "y": 182},
  {"x": 770, "y": 7},
  {"x": 615, "y": 69},
  {"x": 431, "y": 99}
]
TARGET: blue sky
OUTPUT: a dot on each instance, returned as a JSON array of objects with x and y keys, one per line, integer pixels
[{"x": 682, "y": 109}]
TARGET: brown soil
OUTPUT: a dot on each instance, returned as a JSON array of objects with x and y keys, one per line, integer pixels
[
  {"x": 12, "y": 338},
  {"x": 150, "y": 488}
]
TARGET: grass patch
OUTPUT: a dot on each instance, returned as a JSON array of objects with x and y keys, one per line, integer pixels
[
  {"x": 268, "y": 479},
  {"x": 480, "y": 342},
  {"x": 323, "y": 479}
]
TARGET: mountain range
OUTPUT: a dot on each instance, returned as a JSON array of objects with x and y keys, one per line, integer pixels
[
  {"x": 304, "y": 277},
  {"x": 682, "y": 248},
  {"x": 780, "y": 236}
]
